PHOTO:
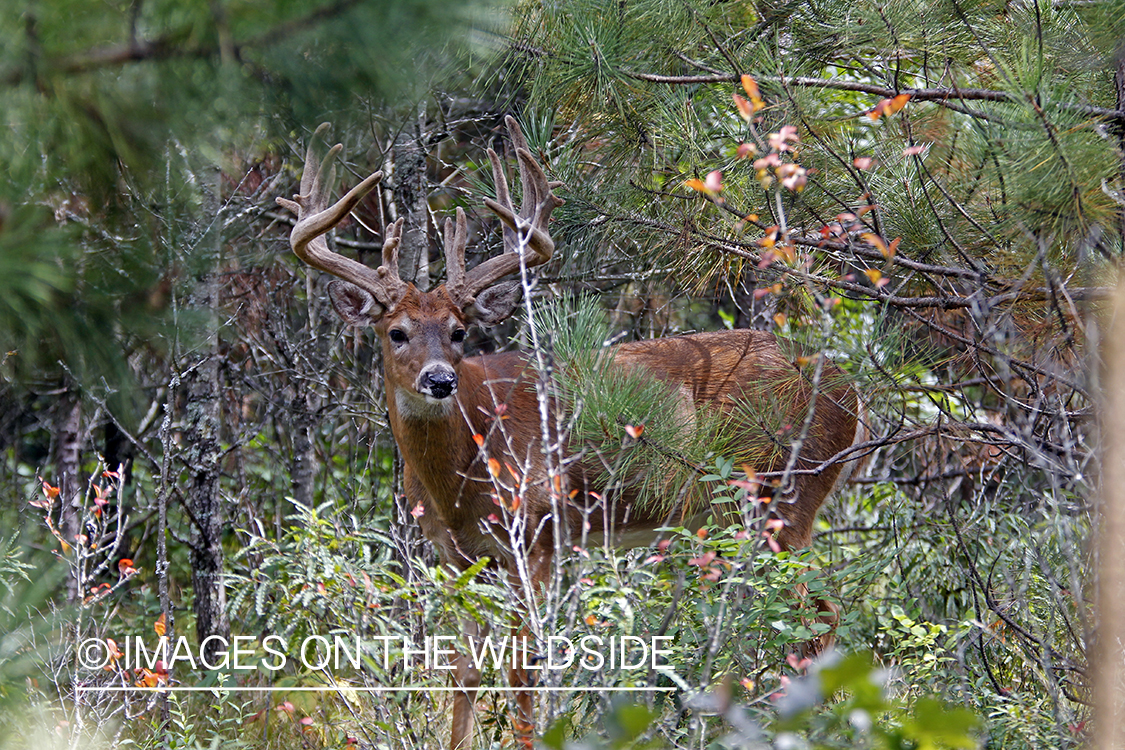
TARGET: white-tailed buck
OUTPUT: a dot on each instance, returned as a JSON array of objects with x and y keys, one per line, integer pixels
[{"x": 458, "y": 420}]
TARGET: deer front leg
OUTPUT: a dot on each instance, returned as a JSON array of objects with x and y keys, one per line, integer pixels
[
  {"x": 520, "y": 677},
  {"x": 465, "y": 675},
  {"x": 538, "y": 567}
]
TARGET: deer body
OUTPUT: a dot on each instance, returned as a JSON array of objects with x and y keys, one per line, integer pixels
[
  {"x": 446, "y": 471},
  {"x": 451, "y": 414}
]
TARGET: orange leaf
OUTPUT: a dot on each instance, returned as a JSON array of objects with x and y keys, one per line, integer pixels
[
  {"x": 49, "y": 491},
  {"x": 494, "y": 467},
  {"x": 695, "y": 184},
  {"x": 148, "y": 679},
  {"x": 874, "y": 275},
  {"x": 478, "y": 439},
  {"x": 750, "y": 86},
  {"x": 894, "y": 105},
  {"x": 635, "y": 430},
  {"x": 161, "y": 624},
  {"x": 780, "y": 320},
  {"x": 745, "y": 108},
  {"x": 877, "y": 242}
]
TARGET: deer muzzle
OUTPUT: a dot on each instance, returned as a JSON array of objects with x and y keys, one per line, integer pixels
[{"x": 437, "y": 381}]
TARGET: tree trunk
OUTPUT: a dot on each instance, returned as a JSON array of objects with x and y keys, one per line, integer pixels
[
  {"x": 411, "y": 201},
  {"x": 203, "y": 455},
  {"x": 68, "y": 469},
  {"x": 303, "y": 471}
]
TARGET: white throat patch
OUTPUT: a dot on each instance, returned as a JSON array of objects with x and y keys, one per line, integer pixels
[{"x": 413, "y": 405}]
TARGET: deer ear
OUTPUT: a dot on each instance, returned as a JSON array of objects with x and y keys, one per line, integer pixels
[
  {"x": 495, "y": 304},
  {"x": 356, "y": 306}
]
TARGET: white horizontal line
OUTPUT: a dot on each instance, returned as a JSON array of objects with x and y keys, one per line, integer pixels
[{"x": 408, "y": 689}]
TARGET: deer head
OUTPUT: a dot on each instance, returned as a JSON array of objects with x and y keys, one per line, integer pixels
[{"x": 423, "y": 331}]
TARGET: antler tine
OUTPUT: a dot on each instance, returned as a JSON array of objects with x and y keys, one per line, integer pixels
[
  {"x": 315, "y": 218},
  {"x": 455, "y": 242},
  {"x": 309, "y": 176},
  {"x": 389, "y": 267},
  {"x": 525, "y": 229}
]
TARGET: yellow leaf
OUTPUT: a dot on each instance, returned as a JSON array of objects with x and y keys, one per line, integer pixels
[
  {"x": 780, "y": 319},
  {"x": 873, "y": 274}
]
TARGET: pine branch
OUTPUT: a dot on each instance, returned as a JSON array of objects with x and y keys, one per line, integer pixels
[
  {"x": 940, "y": 95},
  {"x": 166, "y": 48}
]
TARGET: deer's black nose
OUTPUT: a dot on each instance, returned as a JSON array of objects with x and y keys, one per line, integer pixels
[{"x": 439, "y": 383}]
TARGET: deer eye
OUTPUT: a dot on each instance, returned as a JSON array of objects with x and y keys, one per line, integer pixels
[
  {"x": 458, "y": 336},
  {"x": 398, "y": 336}
]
